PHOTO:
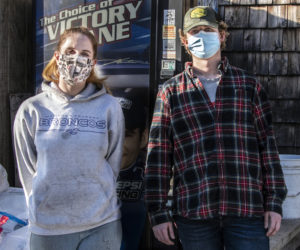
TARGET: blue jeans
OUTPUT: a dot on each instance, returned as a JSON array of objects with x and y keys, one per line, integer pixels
[
  {"x": 105, "y": 237},
  {"x": 233, "y": 233}
]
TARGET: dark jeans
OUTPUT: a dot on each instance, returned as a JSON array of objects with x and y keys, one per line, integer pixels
[{"x": 233, "y": 233}]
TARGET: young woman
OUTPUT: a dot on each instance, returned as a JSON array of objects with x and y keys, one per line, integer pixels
[{"x": 68, "y": 144}]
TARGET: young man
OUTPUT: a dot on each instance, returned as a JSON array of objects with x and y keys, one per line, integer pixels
[
  {"x": 212, "y": 131},
  {"x": 130, "y": 182}
]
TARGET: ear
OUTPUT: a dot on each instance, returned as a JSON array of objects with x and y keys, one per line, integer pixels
[
  {"x": 56, "y": 55},
  {"x": 184, "y": 41},
  {"x": 144, "y": 138},
  {"x": 94, "y": 61},
  {"x": 222, "y": 35}
]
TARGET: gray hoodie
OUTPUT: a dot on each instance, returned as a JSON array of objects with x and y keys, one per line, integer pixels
[{"x": 68, "y": 151}]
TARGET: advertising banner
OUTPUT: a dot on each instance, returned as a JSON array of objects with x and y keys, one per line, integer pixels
[{"x": 121, "y": 27}]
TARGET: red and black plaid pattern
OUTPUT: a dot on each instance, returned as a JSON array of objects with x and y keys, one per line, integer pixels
[{"x": 223, "y": 156}]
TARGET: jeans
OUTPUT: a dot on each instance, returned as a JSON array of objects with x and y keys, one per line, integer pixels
[
  {"x": 233, "y": 233},
  {"x": 106, "y": 237}
]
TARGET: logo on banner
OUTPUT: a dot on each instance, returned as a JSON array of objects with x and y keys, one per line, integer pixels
[{"x": 109, "y": 20}]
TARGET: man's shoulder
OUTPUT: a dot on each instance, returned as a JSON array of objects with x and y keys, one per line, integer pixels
[
  {"x": 247, "y": 77},
  {"x": 174, "y": 82}
]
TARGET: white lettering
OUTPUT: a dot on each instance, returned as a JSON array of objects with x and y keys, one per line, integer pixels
[
  {"x": 116, "y": 13},
  {"x": 133, "y": 10},
  {"x": 122, "y": 31},
  {"x": 100, "y": 14}
]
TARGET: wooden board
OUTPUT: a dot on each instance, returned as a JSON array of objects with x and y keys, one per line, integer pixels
[
  {"x": 297, "y": 135},
  {"x": 293, "y": 63},
  {"x": 258, "y": 16},
  {"x": 269, "y": 83},
  {"x": 277, "y": 16},
  {"x": 281, "y": 1},
  {"x": 262, "y": 63},
  {"x": 271, "y": 40},
  {"x": 247, "y": 2},
  {"x": 282, "y": 111},
  {"x": 289, "y": 40},
  {"x": 297, "y": 32},
  {"x": 224, "y": 2},
  {"x": 235, "y": 41},
  {"x": 278, "y": 63},
  {"x": 242, "y": 60},
  {"x": 211, "y": 3},
  {"x": 16, "y": 71},
  {"x": 234, "y": 2},
  {"x": 295, "y": 117},
  {"x": 293, "y": 16},
  {"x": 4, "y": 59},
  {"x": 236, "y": 16},
  {"x": 252, "y": 39},
  {"x": 221, "y": 11},
  {"x": 264, "y": 1},
  {"x": 287, "y": 87},
  {"x": 284, "y": 135}
]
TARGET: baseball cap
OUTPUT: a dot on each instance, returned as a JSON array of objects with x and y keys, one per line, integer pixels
[
  {"x": 200, "y": 15},
  {"x": 132, "y": 102}
]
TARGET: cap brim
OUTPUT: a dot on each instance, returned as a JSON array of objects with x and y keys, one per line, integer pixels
[{"x": 202, "y": 22}]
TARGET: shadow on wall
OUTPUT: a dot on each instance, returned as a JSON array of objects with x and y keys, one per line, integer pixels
[{"x": 263, "y": 39}]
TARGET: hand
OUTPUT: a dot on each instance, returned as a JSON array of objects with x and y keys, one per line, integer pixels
[
  {"x": 164, "y": 232},
  {"x": 272, "y": 222}
]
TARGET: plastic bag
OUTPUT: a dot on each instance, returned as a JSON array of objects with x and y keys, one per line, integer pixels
[{"x": 16, "y": 240}]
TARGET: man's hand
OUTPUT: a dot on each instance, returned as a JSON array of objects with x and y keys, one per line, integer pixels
[
  {"x": 164, "y": 232},
  {"x": 272, "y": 222}
]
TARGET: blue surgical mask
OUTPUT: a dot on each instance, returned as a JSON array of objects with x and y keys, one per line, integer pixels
[{"x": 204, "y": 44}]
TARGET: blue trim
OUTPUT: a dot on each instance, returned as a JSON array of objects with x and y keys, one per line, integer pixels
[{"x": 11, "y": 217}]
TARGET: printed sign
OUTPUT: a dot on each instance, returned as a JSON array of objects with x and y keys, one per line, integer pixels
[
  {"x": 169, "y": 44},
  {"x": 169, "y": 54},
  {"x": 121, "y": 27},
  {"x": 169, "y": 17},
  {"x": 168, "y": 64},
  {"x": 169, "y": 32}
]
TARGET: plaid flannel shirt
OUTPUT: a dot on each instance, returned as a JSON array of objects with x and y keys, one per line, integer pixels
[{"x": 223, "y": 156}]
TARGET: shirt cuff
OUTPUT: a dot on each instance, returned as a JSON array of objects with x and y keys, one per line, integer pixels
[
  {"x": 159, "y": 217},
  {"x": 274, "y": 205}
]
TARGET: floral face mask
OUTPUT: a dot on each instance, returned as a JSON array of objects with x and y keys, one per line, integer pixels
[{"x": 74, "y": 69}]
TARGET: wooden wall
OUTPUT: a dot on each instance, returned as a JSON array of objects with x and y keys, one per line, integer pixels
[
  {"x": 16, "y": 60},
  {"x": 265, "y": 40}
]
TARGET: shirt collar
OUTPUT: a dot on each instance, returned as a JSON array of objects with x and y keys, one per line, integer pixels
[{"x": 222, "y": 66}]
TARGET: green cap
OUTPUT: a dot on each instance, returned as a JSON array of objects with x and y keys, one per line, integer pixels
[{"x": 200, "y": 15}]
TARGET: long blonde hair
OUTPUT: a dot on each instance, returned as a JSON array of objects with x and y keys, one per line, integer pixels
[{"x": 50, "y": 72}]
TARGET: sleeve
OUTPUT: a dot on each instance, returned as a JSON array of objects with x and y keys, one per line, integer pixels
[
  {"x": 159, "y": 162},
  {"x": 274, "y": 188},
  {"x": 116, "y": 138},
  {"x": 24, "y": 147}
]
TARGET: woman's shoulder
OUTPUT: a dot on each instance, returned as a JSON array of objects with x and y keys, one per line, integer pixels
[
  {"x": 110, "y": 99},
  {"x": 32, "y": 101}
]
